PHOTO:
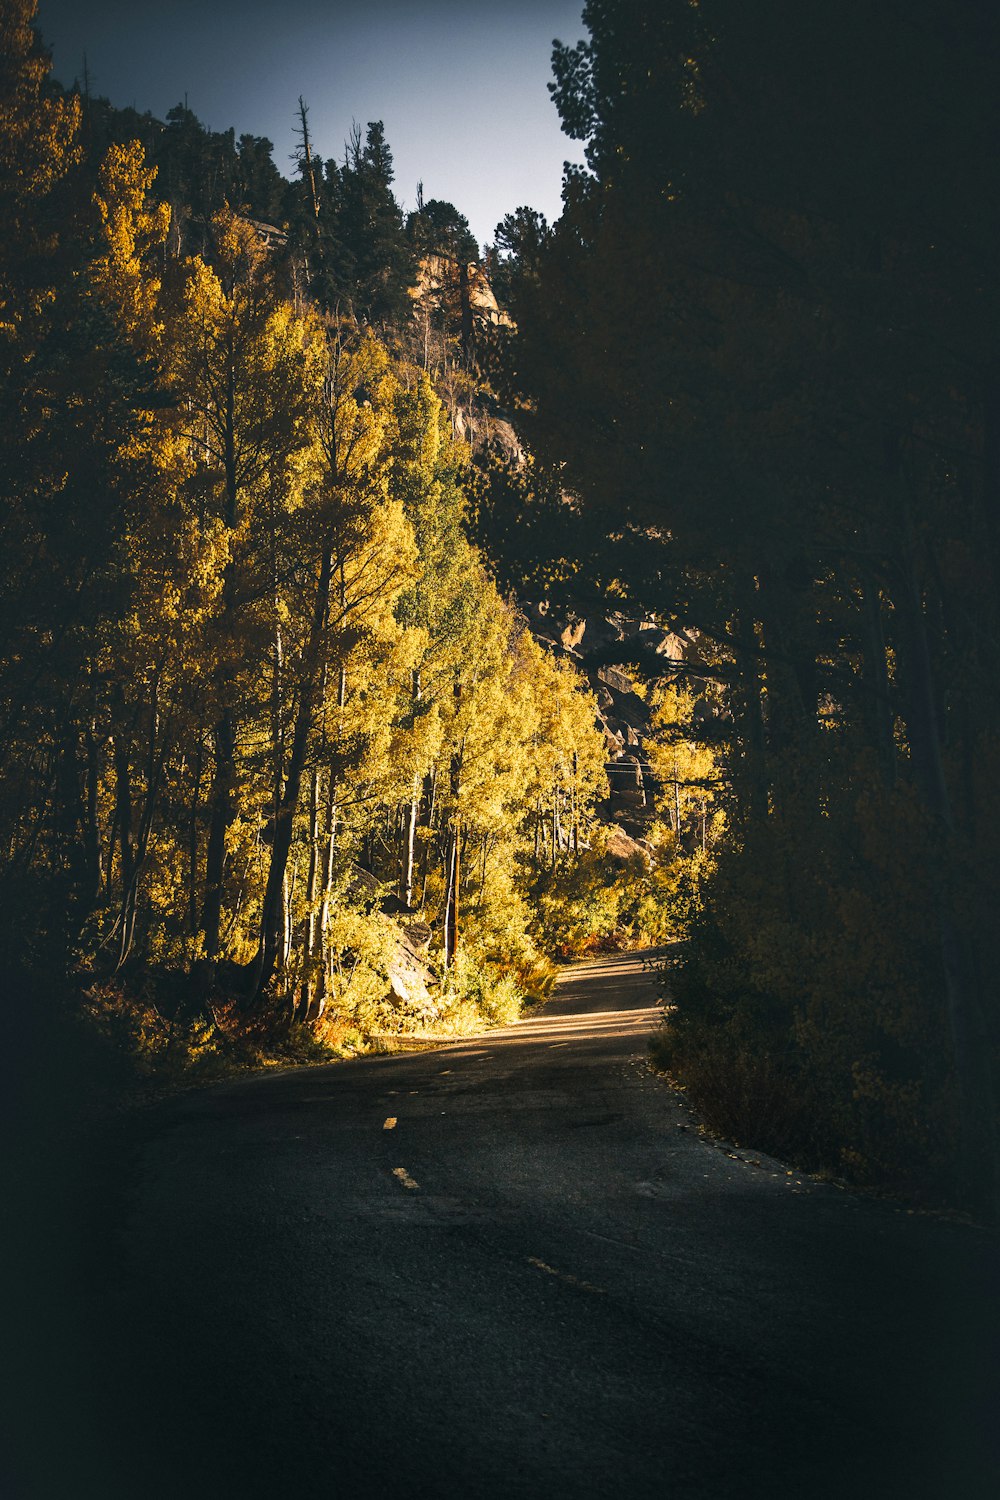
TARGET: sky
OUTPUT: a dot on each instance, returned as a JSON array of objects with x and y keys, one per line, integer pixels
[{"x": 460, "y": 84}]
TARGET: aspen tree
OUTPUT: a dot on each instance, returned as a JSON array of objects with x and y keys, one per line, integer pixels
[
  {"x": 356, "y": 556},
  {"x": 239, "y": 367},
  {"x": 567, "y": 760}
]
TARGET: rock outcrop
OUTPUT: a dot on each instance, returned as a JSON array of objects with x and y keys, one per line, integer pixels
[
  {"x": 409, "y": 976},
  {"x": 451, "y": 287}
]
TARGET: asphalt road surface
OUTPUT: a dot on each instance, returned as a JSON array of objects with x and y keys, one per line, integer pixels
[{"x": 508, "y": 1267}]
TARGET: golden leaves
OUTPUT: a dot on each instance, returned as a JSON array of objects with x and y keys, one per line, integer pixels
[{"x": 134, "y": 228}]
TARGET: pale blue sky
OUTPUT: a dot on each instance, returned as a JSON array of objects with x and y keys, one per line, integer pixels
[{"x": 460, "y": 84}]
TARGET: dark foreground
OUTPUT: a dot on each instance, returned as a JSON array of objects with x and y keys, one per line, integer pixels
[{"x": 538, "y": 1282}]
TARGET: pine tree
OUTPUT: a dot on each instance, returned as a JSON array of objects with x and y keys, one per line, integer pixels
[
  {"x": 789, "y": 437},
  {"x": 372, "y": 231}
]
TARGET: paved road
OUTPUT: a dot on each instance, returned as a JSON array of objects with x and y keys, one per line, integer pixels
[{"x": 509, "y": 1268}]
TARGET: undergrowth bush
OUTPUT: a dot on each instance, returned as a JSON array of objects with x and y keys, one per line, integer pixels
[
  {"x": 186, "y": 1047},
  {"x": 500, "y": 966},
  {"x": 744, "y": 1093},
  {"x": 807, "y": 1011},
  {"x": 609, "y": 899},
  {"x": 495, "y": 995}
]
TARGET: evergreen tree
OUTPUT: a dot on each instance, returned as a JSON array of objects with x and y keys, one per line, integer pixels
[
  {"x": 437, "y": 228},
  {"x": 372, "y": 230},
  {"x": 789, "y": 450},
  {"x": 258, "y": 186}
]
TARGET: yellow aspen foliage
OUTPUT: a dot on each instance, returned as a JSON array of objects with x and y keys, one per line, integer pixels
[
  {"x": 568, "y": 763},
  {"x": 687, "y": 768},
  {"x": 134, "y": 228}
]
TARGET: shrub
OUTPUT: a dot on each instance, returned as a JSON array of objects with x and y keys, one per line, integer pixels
[{"x": 809, "y": 1015}]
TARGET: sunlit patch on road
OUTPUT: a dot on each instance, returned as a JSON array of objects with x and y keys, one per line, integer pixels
[
  {"x": 566, "y": 1276},
  {"x": 561, "y": 1030}
]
